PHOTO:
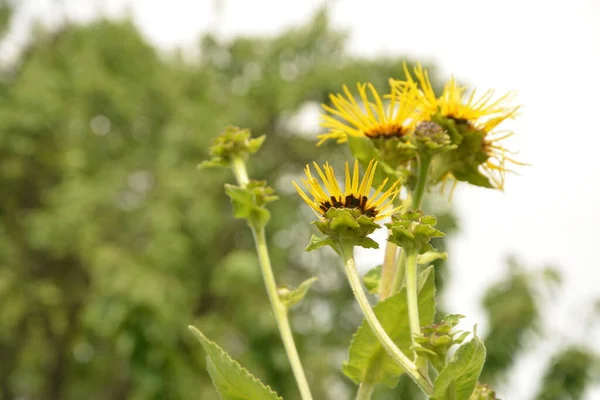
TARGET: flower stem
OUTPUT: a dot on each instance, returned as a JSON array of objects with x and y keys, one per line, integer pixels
[
  {"x": 411, "y": 369},
  {"x": 280, "y": 311},
  {"x": 365, "y": 390},
  {"x": 388, "y": 271},
  {"x": 411, "y": 294},
  {"x": 398, "y": 269},
  {"x": 400, "y": 272},
  {"x": 424, "y": 162},
  {"x": 239, "y": 170}
]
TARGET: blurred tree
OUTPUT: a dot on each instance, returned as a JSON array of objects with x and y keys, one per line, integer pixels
[
  {"x": 569, "y": 374},
  {"x": 111, "y": 241}
]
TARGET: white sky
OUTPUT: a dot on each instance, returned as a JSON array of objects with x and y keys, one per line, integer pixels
[{"x": 547, "y": 51}]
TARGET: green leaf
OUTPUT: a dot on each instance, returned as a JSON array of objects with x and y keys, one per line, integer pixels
[
  {"x": 367, "y": 243},
  {"x": 294, "y": 296},
  {"x": 233, "y": 382},
  {"x": 317, "y": 242},
  {"x": 372, "y": 278},
  {"x": 213, "y": 163},
  {"x": 255, "y": 144},
  {"x": 458, "y": 379},
  {"x": 430, "y": 256},
  {"x": 248, "y": 203},
  {"x": 368, "y": 361}
]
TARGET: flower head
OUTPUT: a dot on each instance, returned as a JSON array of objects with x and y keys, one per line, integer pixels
[
  {"x": 355, "y": 196},
  {"x": 346, "y": 117},
  {"x": 475, "y": 116}
]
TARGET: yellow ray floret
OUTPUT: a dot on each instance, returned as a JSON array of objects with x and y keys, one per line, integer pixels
[
  {"x": 328, "y": 194},
  {"x": 483, "y": 113},
  {"x": 369, "y": 118},
  {"x": 477, "y": 110}
]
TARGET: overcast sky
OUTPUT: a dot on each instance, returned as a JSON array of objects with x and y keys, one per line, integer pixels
[{"x": 549, "y": 52}]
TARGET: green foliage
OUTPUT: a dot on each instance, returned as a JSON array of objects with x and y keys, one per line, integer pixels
[
  {"x": 368, "y": 361},
  {"x": 231, "y": 380},
  {"x": 458, "y": 379}
]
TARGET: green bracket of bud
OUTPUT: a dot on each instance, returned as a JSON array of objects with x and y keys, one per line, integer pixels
[
  {"x": 413, "y": 230},
  {"x": 466, "y": 156},
  {"x": 435, "y": 340},
  {"x": 231, "y": 144},
  {"x": 290, "y": 297},
  {"x": 344, "y": 227},
  {"x": 483, "y": 392},
  {"x": 249, "y": 202},
  {"x": 431, "y": 139}
]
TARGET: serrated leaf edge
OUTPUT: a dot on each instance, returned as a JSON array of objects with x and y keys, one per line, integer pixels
[{"x": 204, "y": 340}]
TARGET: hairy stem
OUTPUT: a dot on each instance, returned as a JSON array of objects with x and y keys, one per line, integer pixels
[
  {"x": 365, "y": 390},
  {"x": 411, "y": 369},
  {"x": 281, "y": 315},
  {"x": 239, "y": 170},
  {"x": 423, "y": 173},
  {"x": 418, "y": 193},
  {"x": 412, "y": 295},
  {"x": 280, "y": 310},
  {"x": 388, "y": 271}
]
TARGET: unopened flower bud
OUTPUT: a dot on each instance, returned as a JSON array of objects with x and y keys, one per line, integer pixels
[{"x": 231, "y": 144}]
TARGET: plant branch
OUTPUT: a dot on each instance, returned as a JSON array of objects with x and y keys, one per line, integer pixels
[
  {"x": 365, "y": 390},
  {"x": 280, "y": 310},
  {"x": 281, "y": 314},
  {"x": 411, "y": 369}
]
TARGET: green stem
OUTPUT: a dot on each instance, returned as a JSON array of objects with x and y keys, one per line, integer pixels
[
  {"x": 388, "y": 271},
  {"x": 365, "y": 390},
  {"x": 400, "y": 272},
  {"x": 280, "y": 312},
  {"x": 238, "y": 165},
  {"x": 424, "y": 162},
  {"x": 279, "y": 309},
  {"x": 412, "y": 295},
  {"x": 411, "y": 369}
]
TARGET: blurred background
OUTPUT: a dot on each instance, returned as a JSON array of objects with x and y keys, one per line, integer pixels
[{"x": 112, "y": 242}]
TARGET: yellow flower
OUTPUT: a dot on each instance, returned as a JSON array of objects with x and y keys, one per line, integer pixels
[
  {"x": 346, "y": 117},
  {"x": 479, "y": 113},
  {"x": 355, "y": 196}
]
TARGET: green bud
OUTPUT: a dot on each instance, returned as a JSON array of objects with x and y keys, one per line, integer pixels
[
  {"x": 413, "y": 230},
  {"x": 467, "y": 154},
  {"x": 435, "y": 340},
  {"x": 249, "y": 202},
  {"x": 230, "y": 144},
  {"x": 483, "y": 392},
  {"x": 432, "y": 139}
]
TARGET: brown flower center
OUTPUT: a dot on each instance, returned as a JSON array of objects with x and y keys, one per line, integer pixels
[
  {"x": 385, "y": 131},
  {"x": 349, "y": 201}
]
